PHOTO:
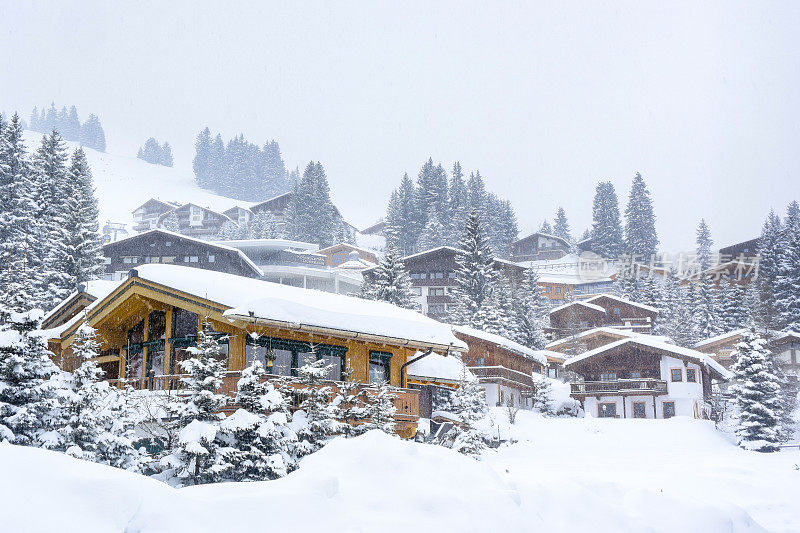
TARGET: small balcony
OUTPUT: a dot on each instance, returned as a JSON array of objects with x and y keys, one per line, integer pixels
[
  {"x": 619, "y": 386},
  {"x": 510, "y": 377}
]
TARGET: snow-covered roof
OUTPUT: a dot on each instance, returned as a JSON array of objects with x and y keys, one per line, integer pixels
[
  {"x": 584, "y": 303},
  {"x": 649, "y": 341},
  {"x": 300, "y": 307},
  {"x": 435, "y": 366},
  {"x": 558, "y": 356},
  {"x": 213, "y": 244},
  {"x": 548, "y": 235},
  {"x": 608, "y": 330},
  {"x": 96, "y": 288},
  {"x": 787, "y": 335},
  {"x": 622, "y": 300},
  {"x": 355, "y": 264},
  {"x": 503, "y": 342},
  {"x": 717, "y": 338}
]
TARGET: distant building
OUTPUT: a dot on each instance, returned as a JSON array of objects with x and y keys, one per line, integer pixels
[
  {"x": 114, "y": 231},
  {"x": 720, "y": 347},
  {"x": 433, "y": 278},
  {"x": 146, "y": 216},
  {"x": 747, "y": 248},
  {"x": 602, "y": 310},
  {"x": 375, "y": 229},
  {"x": 339, "y": 253},
  {"x": 538, "y": 246},
  {"x": 162, "y": 246},
  {"x": 298, "y": 264},
  {"x": 196, "y": 221}
]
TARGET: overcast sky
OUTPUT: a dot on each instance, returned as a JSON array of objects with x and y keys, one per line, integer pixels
[{"x": 546, "y": 99}]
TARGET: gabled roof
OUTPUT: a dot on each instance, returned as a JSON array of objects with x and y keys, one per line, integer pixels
[
  {"x": 645, "y": 341},
  {"x": 162, "y": 216},
  {"x": 540, "y": 234},
  {"x": 212, "y": 244},
  {"x": 622, "y": 300},
  {"x": 436, "y": 367},
  {"x": 168, "y": 205},
  {"x": 301, "y": 309},
  {"x": 345, "y": 245},
  {"x": 237, "y": 207},
  {"x": 614, "y": 332},
  {"x": 786, "y": 335},
  {"x": 722, "y": 337},
  {"x": 89, "y": 291},
  {"x": 582, "y": 303},
  {"x": 456, "y": 251},
  {"x": 502, "y": 342}
]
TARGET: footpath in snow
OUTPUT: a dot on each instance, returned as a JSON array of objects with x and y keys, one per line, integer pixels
[{"x": 674, "y": 475}]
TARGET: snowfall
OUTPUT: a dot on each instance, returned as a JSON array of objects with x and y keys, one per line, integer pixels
[{"x": 562, "y": 474}]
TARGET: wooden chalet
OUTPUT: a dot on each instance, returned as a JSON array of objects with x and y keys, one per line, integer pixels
[
  {"x": 375, "y": 229},
  {"x": 76, "y": 302},
  {"x": 590, "y": 339},
  {"x": 602, "y": 310},
  {"x": 644, "y": 377},
  {"x": 787, "y": 346},
  {"x": 196, "y": 221},
  {"x": 433, "y": 277},
  {"x": 146, "y": 216},
  {"x": 503, "y": 367},
  {"x": 340, "y": 253},
  {"x": 162, "y": 246},
  {"x": 539, "y": 246},
  {"x": 721, "y": 346},
  {"x": 147, "y": 323}
]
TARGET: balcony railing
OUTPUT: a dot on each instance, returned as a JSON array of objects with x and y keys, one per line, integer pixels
[
  {"x": 620, "y": 386},
  {"x": 406, "y": 401},
  {"x": 501, "y": 373}
]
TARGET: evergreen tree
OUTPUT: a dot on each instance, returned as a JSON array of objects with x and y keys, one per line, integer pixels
[
  {"x": 561, "y": 227},
  {"x": 380, "y": 409},
  {"x": 733, "y": 313},
  {"x": 769, "y": 251},
  {"x": 434, "y": 234},
  {"x": 706, "y": 309},
  {"x": 546, "y": 228},
  {"x": 349, "y": 405},
  {"x": 18, "y": 220},
  {"x": 172, "y": 223},
  {"x": 201, "y": 164},
  {"x": 79, "y": 256},
  {"x": 468, "y": 403},
  {"x": 166, "y": 155},
  {"x": 30, "y": 410},
  {"x": 389, "y": 282},
  {"x": 92, "y": 134},
  {"x": 316, "y": 419},
  {"x": 476, "y": 193},
  {"x": 641, "y": 240},
  {"x": 704, "y": 242},
  {"x": 756, "y": 390},
  {"x": 542, "y": 398},
  {"x": 459, "y": 203},
  {"x": 264, "y": 226},
  {"x": 312, "y": 216},
  {"x": 432, "y": 192},
  {"x": 532, "y": 314},
  {"x": 606, "y": 225},
  {"x": 402, "y": 222},
  {"x": 100, "y": 424},
  {"x": 198, "y": 458},
  {"x": 475, "y": 275},
  {"x": 257, "y": 438},
  {"x": 787, "y": 287}
]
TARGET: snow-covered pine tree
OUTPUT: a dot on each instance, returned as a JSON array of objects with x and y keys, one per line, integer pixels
[
  {"x": 706, "y": 309},
  {"x": 627, "y": 284},
  {"x": 30, "y": 406},
  {"x": 475, "y": 275},
  {"x": 92, "y": 134},
  {"x": 542, "y": 397},
  {"x": 476, "y": 195},
  {"x": 787, "y": 287},
  {"x": 312, "y": 216},
  {"x": 561, "y": 226},
  {"x": 172, "y": 223},
  {"x": 349, "y": 404},
  {"x": 201, "y": 164},
  {"x": 166, "y": 155},
  {"x": 546, "y": 228},
  {"x": 151, "y": 152},
  {"x": 315, "y": 421},
  {"x": 733, "y": 313},
  {"x": 18, "y": 222},
  {"x": 402, "y": 221},
  {"x": 606, "y": 225},
  {"x": 531, "y": 312},
  {"x": 258, "y": 443},
  {"x": 389, "y": 281},
  {"x": 756, "y": 390},
  {"x": 197, "y": 457},
  {"x": 458, "y": 204},
  {"x": 704, "y": 242},
  {"x": 99, "y": 424},
  {"x": 81, "y": 256},
  {"x": 263, "y": 226},
  {"x": 434, "y": 234},
  {"x": 380, "y": 409},
  {"x": 641, "y": 240},
  {"x": 432, "y": 193},
  {"x": 503, "y": 228},
  {"x": 650, "y": 291},
  {"x": 468, "y": 403},
  {"x": 769, "y": 253}
]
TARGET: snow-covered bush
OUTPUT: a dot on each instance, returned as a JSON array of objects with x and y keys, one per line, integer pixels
[
  {"x": 552, "y": 397},
  {"x": 315, "y": 421},
  {"x": 468, "y": 404}
]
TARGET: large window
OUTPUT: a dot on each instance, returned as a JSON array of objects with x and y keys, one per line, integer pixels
[
  {"x": 282, "y": 362},
  {"x": 608, "y": 376},
  {"x": 691, "y": 375},
  {"x": 289, "y": 355},
  {"x": 134, "y": 357},
  {"x": 639, "y": 410},
  {"x": 669, "y": 409},
  {"x": 607, "y": 410},
  {"x": 675, "y": 374},
  {"x": 436, "y": 291},
  {"x": 379, "y": 366}
]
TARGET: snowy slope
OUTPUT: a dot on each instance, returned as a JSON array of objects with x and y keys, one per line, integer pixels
[
  {"x": 563, "y": 475},
  {"x": 123, "y": 183}
]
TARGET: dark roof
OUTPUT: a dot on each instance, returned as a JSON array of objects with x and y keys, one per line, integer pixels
[{"x": 539, "y": 233}]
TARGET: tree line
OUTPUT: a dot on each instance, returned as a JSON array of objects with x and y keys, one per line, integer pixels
[
  {"x": 155, "y": 153},
  {"x": 89, "y": 133},
  {"x": 49, "y": 239},
  {"x": 241, "y": 169},
  {"x": 433, "y": 211}
]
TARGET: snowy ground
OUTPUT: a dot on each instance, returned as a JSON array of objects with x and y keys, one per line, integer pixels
[{"x": 562, "y": 475}]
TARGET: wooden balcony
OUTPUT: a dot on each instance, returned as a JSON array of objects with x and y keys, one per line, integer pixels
[
  {"x": 513, "y": 378},
  {"x": 620, "y": 386},
  {"x": 406, "y": 403}
]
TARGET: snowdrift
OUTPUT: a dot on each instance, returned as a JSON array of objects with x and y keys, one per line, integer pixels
[{"x": 563, "y": 475}]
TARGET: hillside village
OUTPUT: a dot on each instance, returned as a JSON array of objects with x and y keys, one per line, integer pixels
[{"x": 201, "y": 344}]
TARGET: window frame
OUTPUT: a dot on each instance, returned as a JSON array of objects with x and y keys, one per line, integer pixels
[
  {"x": 599, "y": 404},
  {"x": 664, "y": 404},
  {"x": 672, "y": 375},
  {"x": 644, "y": 409},
  {"x": 380, "y": 358},
  {"x": 694, "y": 375}
]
